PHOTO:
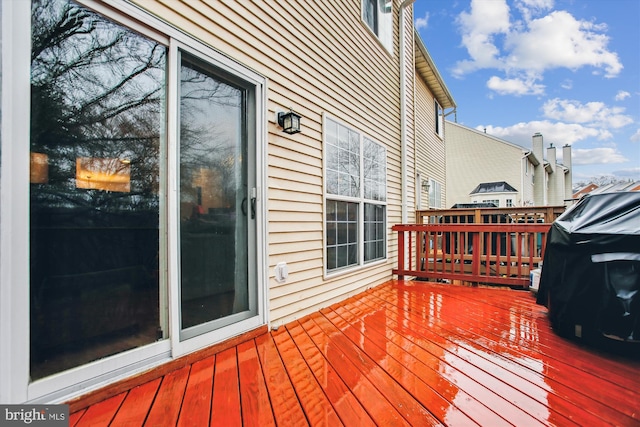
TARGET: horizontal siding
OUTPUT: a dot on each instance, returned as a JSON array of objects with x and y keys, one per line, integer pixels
[
  {"x": 474, "y": 158},
  {"x": 334, "y": 66},
  {"x": 409, "y": 69},
  {"x": 430, "y": 148}
]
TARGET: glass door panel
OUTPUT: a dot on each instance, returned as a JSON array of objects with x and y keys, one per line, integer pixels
[
  {"x": 215, "y": 204},
  {"x": 97, "y": 96}
]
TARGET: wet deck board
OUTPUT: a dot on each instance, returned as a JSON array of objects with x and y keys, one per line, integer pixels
[{"x": 403, "y": 353}]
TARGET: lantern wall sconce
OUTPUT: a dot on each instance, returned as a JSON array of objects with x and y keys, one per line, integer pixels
[
  {"x": 289, "y": 122},
  {"x": 425, "y": 185}
]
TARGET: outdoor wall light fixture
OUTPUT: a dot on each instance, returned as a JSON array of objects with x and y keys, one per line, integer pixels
[
  {"x": 289, "y": 122},
  {"x": 425, "y": 185}
]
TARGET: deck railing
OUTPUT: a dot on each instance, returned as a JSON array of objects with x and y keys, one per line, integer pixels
[
  {"x": 527, "y": 214},
  {"x": 499, "y": 253}
]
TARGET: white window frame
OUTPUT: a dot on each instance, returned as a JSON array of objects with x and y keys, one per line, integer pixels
[
  {"x": 438, "y": 117},
  {"x": 16, "y": 387},
  {"x": 360, "y": 200},
  {"x": 435, "y": 194},
  {"x": 383, "y": 21}
]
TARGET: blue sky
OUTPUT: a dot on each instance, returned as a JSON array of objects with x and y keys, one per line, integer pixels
[{"x": 569, "y": 69}]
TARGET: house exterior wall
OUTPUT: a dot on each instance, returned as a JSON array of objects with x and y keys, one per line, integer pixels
[
  {"x": 410, "y": 114},
  {"x": 430, "y": 148},
  {"x": 474, "y": 157},
  {"x": 527, "y": 182},
  {"x": 322, "y": 61},
  {"x": 358, "y": 87},
  {"x": 540, "y": 175}
]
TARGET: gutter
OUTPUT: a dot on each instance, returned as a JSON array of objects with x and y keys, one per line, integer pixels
[{"x": 403, "y": 113}]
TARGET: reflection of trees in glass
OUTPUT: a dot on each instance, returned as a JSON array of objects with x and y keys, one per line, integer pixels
[
  {"x": 344, "y": 164},
  {"x": 97, "y": 91},
  {"x": 374, "y": 171},
  {"x": 210, "y": 115},
  {"x": 343, "y": 160}
]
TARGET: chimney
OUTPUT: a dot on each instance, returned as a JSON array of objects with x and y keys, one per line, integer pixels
[
  {"x": 568, "y": 177},
  {"x": 551, "y": 157},
  {"x": 553, "y": 198},
  {"x": 537, "y": 146}
]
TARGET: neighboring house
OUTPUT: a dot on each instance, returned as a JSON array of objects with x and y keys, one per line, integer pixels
[
  {"x": 432, "y": 99},
  {"x": 500, "y": 194},
  {"x": 585, "y": 189},
  {"x": 474, "y": 158},
  {"x": 617, "y": 187},
  {"x": 151, "y": 203}
]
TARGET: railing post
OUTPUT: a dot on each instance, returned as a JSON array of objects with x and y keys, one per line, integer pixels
[
  {"x": 475, "y": 263},
  {"x": 400, "y": 254}
]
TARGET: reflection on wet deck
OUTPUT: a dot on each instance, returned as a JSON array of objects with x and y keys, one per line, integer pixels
[{"x": 403, "y": 353}]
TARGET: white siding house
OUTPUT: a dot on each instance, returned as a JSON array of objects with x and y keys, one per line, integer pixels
[
  {"x": 474, "y": 158},
  {"x": 432, "y": 99}
]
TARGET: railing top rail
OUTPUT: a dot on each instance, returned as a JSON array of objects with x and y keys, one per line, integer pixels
[
  {"x": 501, "y": 210},
  {"x": 471, "y": 227},
  {"x": 479, "y": 215}
]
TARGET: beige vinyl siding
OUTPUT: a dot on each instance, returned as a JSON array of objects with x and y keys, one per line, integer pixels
[
  {"x": 318, "y": 59},
  {"x": 410, "y": 88},
  {"x": 474, "y": 157},
  {"x": 527, "y": 189},
  {"x": 430, "y": 148}
]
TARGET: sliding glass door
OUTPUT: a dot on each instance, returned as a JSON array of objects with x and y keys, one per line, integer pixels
[
  {"x": 143, "y": 160},
  {"x": 217, "y": 209}
]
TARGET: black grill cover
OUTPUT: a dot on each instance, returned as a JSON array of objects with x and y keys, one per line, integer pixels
[{"x": 590, "y": 278}]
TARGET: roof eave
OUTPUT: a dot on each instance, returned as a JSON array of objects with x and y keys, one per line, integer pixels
[{"x": 431, "y": 76}]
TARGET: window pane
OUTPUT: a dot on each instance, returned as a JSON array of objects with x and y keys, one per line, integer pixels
[
  {"x": 342, "y": 160},
  {"x": 213, "y": 191},
  {"x": 332, "y": 182},
  {"x": 332, "y": 234},
  {"x": 331, "y": 211},
  {"x": 370, "y": 14},
  {"x": 374, "y": 240},
  {"x": 97, "y": 93},
  {"x": 332, "y": 257},
  {"x": 343, "y": 256},
  {"x": 342, "y": 235},
  {"x": 374, "y": 171},
  {"x": 331, "y": 132}
]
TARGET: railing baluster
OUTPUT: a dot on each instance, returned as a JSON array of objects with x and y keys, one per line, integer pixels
[{"x": 439, "y": 247}]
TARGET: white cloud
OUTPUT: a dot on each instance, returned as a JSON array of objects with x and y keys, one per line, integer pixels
[
  {"x": 591, "y": 113},
  {"x": 621, "y": 95},
  {"x": 596, "y": 156},
  {"x": 486, "y": 19},
  {"x": 533, "y": 7},
  {"x": 567, "y": 84},
  {"x": 559, "y": 40},
  {"x": 422, "y": 23},
  {"x": 630, "y": 173},
  {"x": 557, "y": 133},
  {"x": 636, "y": 136},
  {"x": 516, "y": 86},
  {"x": 527, "y": 49}
]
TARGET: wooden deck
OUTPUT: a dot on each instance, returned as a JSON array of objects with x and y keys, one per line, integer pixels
[{"x": 403, "y": 353}]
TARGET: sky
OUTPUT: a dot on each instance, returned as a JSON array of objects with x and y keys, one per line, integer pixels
[{"x": 569, "y": 69}]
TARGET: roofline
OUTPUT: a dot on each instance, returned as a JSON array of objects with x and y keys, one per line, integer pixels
[
  {"x": 525, "y": 151},
  {"x": 449, "y": 102},
  {"x": 533, "y": 159}
]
